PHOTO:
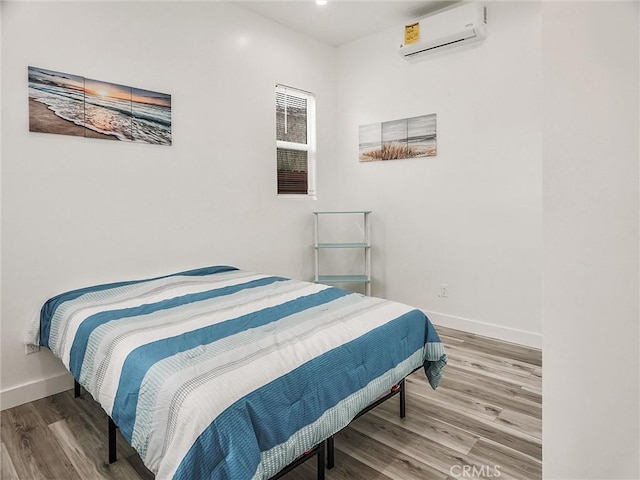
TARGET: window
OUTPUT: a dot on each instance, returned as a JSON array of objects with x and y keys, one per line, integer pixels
[{"x": 295, "y": 140}]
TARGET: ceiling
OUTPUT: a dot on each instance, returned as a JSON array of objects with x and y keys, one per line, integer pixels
[{"x": 342, "y": 21}]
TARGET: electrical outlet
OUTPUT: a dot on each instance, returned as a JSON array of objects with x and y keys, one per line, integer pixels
[
  {"x": 444, "y": 290},
  {"x": 29, "y": 349}
]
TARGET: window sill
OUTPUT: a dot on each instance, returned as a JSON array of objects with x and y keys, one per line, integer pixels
[{"x": 311, "y": 196}]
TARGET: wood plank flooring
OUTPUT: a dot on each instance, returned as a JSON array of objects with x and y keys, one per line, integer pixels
[{"x": 484, "y": 421}]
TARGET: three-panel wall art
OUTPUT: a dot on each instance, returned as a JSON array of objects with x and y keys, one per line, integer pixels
[
  {"x": 67, "y": 104},
  {"x": 398, "y": 139}
]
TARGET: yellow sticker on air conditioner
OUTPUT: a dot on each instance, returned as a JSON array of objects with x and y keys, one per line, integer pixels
[{"x": 411, "y": 33}]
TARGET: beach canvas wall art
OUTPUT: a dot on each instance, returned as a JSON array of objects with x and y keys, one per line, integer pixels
[
  {"x": 399, "y": 139},
  {"x": 68, "y": 104}
]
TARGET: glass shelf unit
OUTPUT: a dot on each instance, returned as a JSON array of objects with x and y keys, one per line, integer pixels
[{"x": 364, "y": 244}]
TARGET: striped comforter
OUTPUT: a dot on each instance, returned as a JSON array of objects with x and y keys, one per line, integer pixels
[{"x": 218, "y": 373}]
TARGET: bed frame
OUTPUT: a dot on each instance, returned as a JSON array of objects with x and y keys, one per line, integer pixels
[{"x": 318, "y": 451}]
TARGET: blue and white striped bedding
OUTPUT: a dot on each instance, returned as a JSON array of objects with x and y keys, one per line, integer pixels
[{"x": 227, "y": 374}]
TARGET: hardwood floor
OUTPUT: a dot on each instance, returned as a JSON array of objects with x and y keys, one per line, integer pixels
[{"x": 484, "y": 421}]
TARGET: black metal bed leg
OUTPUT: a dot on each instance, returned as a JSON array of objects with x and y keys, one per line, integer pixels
[
  {"x": 76, "y": 389},
  {"x": 113, "y": 454},
  {"x": 403, "y": 400},
  {"x": 320, "y": 463},
  {"x": 318, "y": 451},
  {"x": 331, "y": 452}
]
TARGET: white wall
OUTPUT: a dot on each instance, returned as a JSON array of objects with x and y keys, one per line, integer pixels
[
  {"x": 538, "y": 126},
  {"x": 591, "y": 313},
  {"x": 77, "y": 211},
  {"x": 471, "y": 216}
]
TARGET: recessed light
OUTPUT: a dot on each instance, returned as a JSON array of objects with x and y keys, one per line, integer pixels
[{"x": 321, "y": 2}]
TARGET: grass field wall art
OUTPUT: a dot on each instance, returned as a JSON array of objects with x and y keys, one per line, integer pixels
[
  {"x": 67, "y": 104},
  {"x": 399, "y": 139}
]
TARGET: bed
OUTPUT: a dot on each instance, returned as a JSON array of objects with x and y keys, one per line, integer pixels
[{"x": 228, "y": 374}]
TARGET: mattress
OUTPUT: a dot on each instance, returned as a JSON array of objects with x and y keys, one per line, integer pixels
[{"x": 228, "y": 374}]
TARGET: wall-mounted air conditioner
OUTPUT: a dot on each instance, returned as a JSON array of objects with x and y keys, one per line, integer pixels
[{"x": 455, "y": 26}]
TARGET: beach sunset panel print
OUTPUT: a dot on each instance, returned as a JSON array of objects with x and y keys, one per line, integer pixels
[
  {"x": 56, "y": 102},
  {"x": 69, "y": 104},
  {"x": 151, "y": 116},
  {"x": 107, "y": 108}
]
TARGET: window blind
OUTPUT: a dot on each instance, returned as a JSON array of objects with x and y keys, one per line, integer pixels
[
  {"x": 293, "y": 134},
  {"x": 291, "y": 118}
]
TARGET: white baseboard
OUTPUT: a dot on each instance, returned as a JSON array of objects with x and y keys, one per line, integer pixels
[
  {"x": 513, "y": 335},
  {"x": 35, "y": 390}
]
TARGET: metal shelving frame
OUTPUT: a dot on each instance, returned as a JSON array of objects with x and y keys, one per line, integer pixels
[{"x": 365, "y": 244}]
